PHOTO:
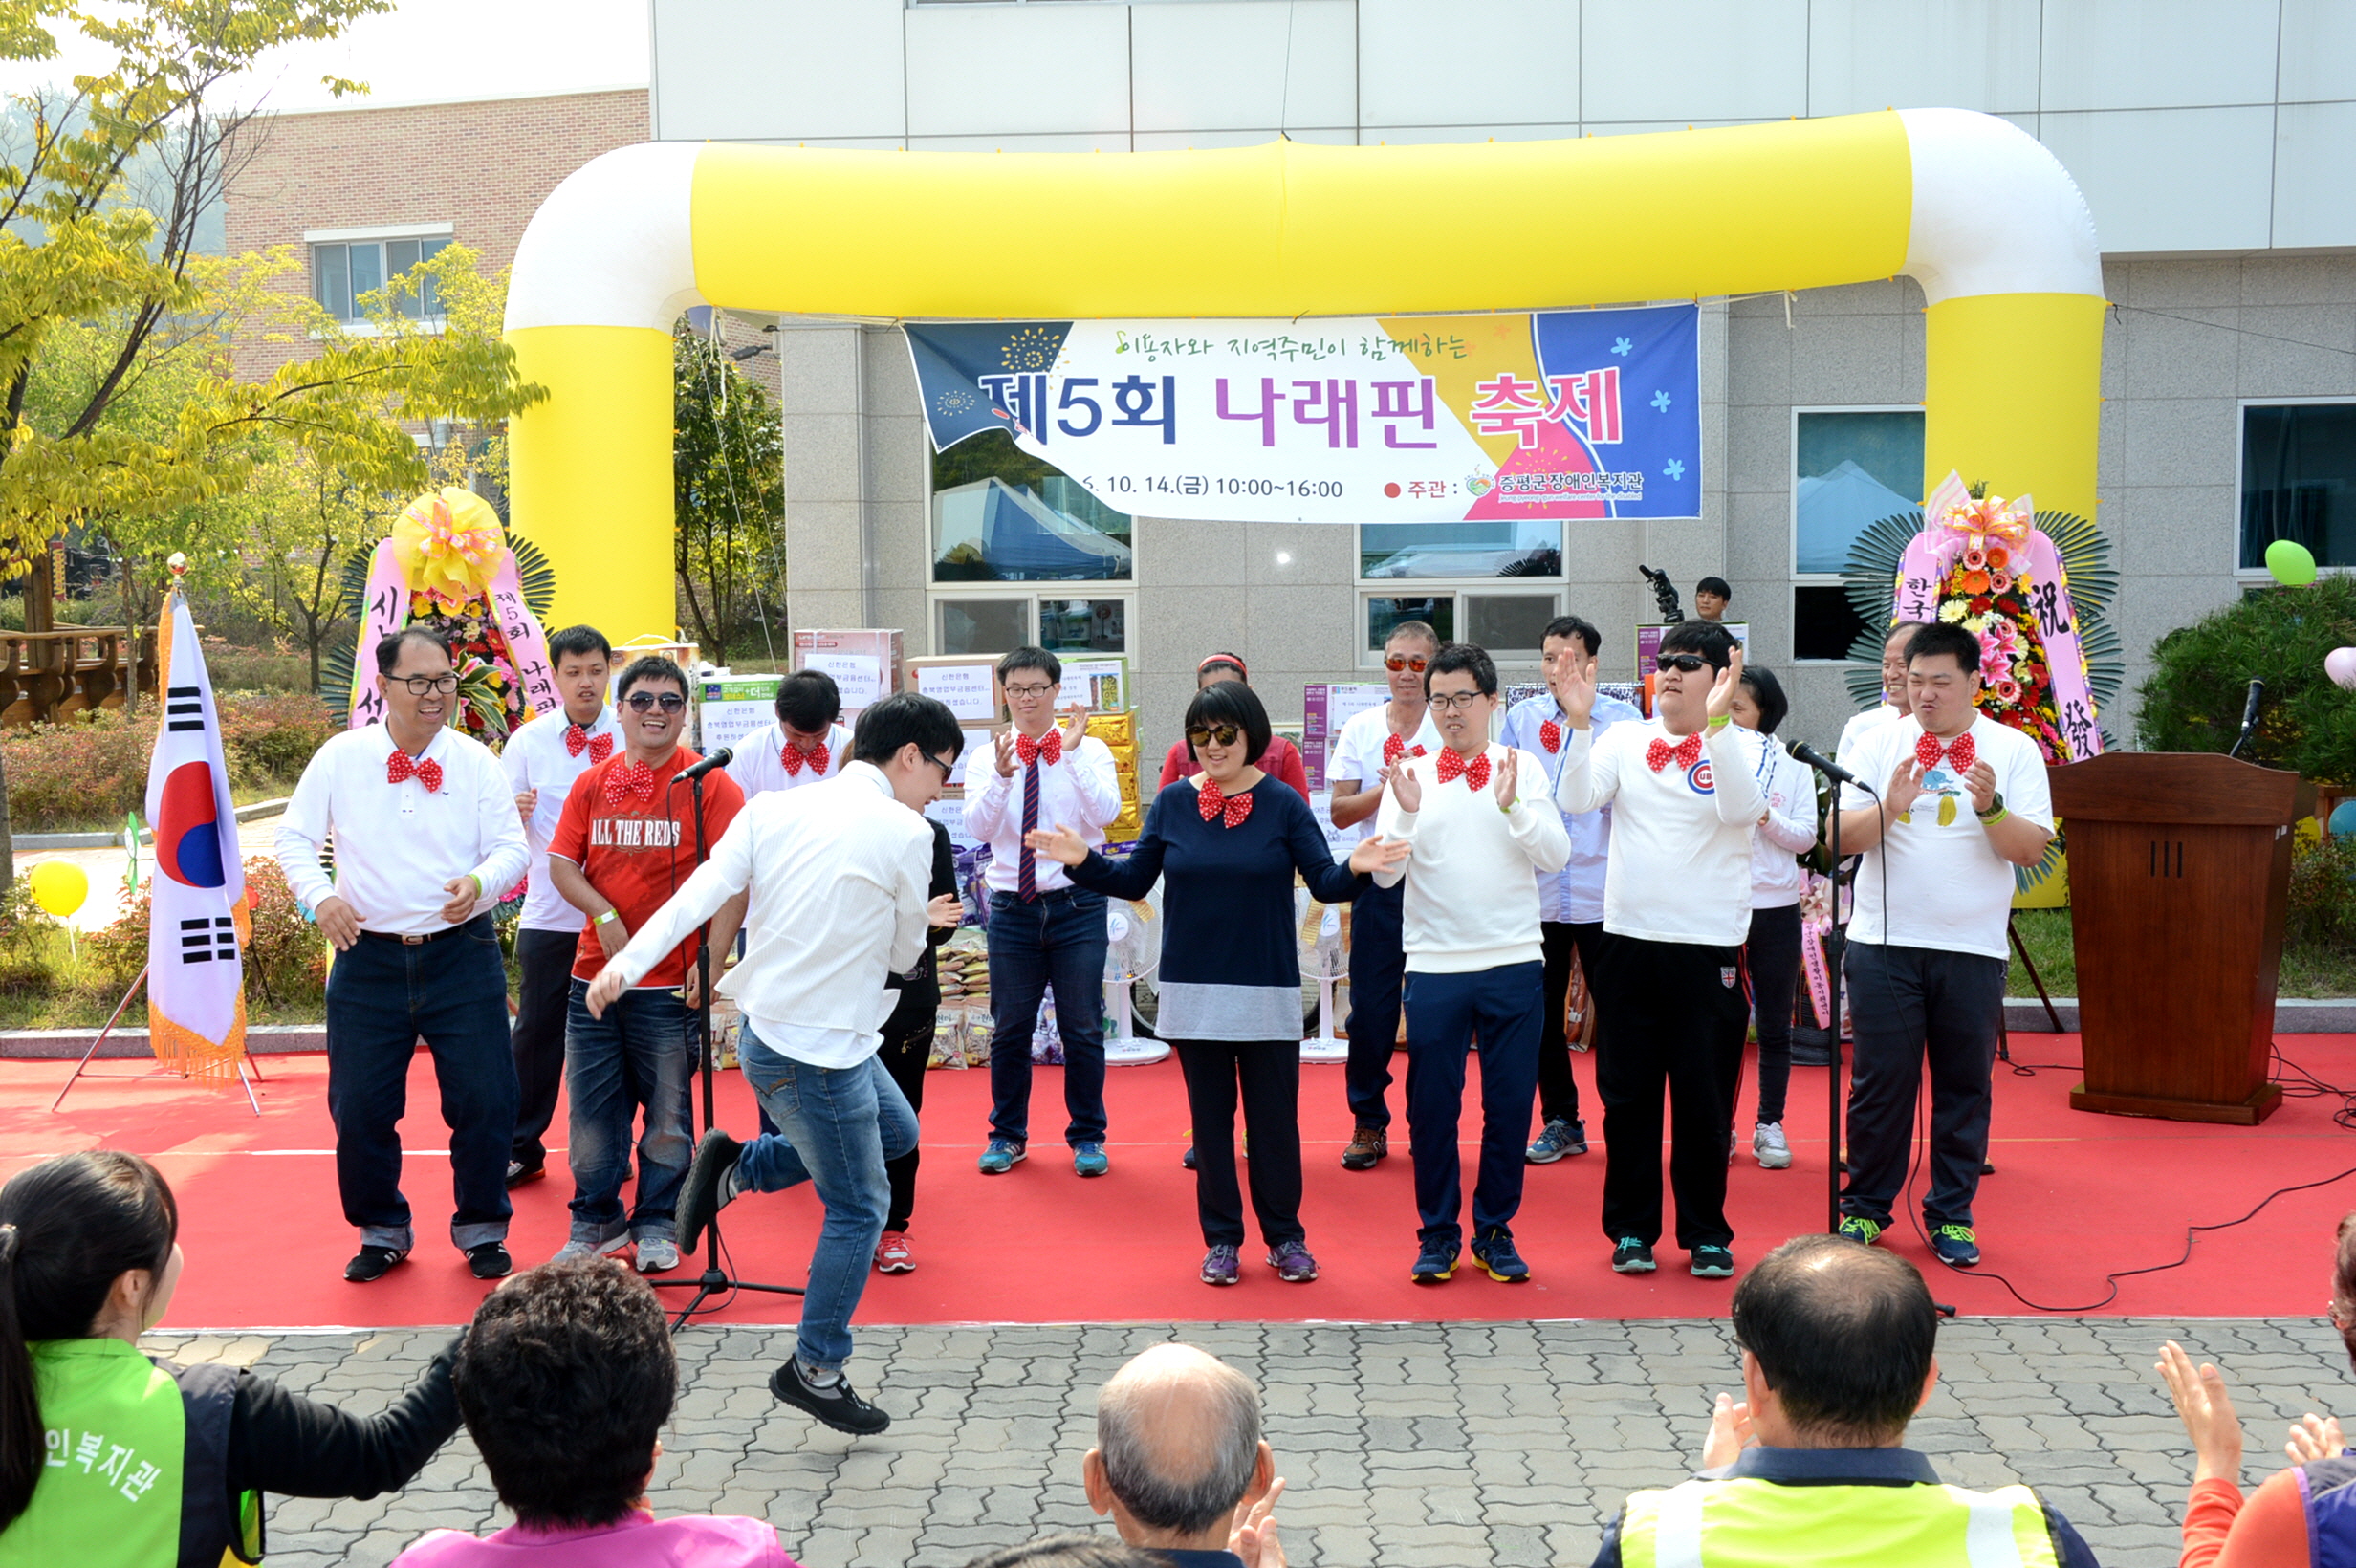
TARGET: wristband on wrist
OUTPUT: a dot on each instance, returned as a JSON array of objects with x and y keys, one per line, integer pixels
[
  {"x": 481, "y": 891},
  {"x": 1721, "y": 721},
  {"x": 1998, "y": 816},
  {"x": 600, "y": 920}
]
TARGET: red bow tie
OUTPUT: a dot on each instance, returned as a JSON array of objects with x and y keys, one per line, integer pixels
[
  {"x": 1214, "y": 801},
  {"x": 1048, "y": 748},
  {"x": 793, "y": 757},
  {"x": 1474, "y": 773},
  {"x": 577, "y": 740},
  {"x": 1395, "y": 747},
  {"x": 1685, "y": 754},
  {"x": 398, "y": 767},
  {"x": 1960, "y": 753},
  {"x": 627, "y": 780},
  {"x": 1550, "y": 736}
]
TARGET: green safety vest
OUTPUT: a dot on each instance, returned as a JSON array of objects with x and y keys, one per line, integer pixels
[
  {"x": 1742, "y": 1521},
  {"x": 118, "y": 1463}
]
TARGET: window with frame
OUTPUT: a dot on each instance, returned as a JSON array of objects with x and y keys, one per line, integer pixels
[
  {"x": 1460, "y": 580},
  {"x": 1002, "y": 622},
  {"x": 1850, "y": 468},
  {"x": 1001, "y": 515},
  {"x": 343, "y": 272},
  {"x": 2298, "y": 481}
]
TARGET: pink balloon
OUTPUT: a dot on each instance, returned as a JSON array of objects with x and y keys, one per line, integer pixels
[{"x": 2340, "y": 663}]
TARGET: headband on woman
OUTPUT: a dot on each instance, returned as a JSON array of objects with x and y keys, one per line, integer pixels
[{"x": 1224, "y": 658}]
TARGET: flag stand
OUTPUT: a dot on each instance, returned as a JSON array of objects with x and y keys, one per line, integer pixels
[{"x": 81, "y": 1068}]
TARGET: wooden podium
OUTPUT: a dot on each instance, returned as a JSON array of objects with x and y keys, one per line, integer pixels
[{"x": 2179, "y": 872}]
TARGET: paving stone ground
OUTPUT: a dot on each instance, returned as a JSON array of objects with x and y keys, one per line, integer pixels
[{"x": 1412, "y": 1445}]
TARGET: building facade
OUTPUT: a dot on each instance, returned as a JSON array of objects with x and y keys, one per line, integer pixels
[{"x": 2208, "y": 135}]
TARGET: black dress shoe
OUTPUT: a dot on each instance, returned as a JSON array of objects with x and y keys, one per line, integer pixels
[
  {"x": 518, "y": 1173},
  {"x": 373, "y": 1263},
  {"x": 703, "y": 1194},
  {"x": 489, "y": 1260}
]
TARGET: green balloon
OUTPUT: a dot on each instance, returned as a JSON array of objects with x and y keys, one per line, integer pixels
[{"x": 2291, "y": 562}]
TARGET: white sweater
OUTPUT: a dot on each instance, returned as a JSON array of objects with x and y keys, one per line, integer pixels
[
  {"x": 1680, "y": 867},
  {"x": 1471, "y": 902}
]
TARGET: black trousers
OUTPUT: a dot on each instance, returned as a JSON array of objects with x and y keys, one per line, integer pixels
[
  {"x": 1906, "y": 1005},
  {"x": 1268, "y": 1071},
  {"x": 1557, "y": 1092},
  {"x": 536, "y": 1038},
  {"x": 1773, "y": 958},
  {"x": 1377, "y": 968},
  {"x": 906, "y": 1052},
  {"x": 1669, "y": 1015}
]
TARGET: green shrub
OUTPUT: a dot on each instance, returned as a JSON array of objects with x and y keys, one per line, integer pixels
[
  {"x": 31, "y": 941},
  {"x": 284, "y": 956},
  {"x": 2192, "y": 700},
  {"x": 268, "y": 740},
  {"x": 92, "y": 769},
  {"x": 2322, "y": 902}
]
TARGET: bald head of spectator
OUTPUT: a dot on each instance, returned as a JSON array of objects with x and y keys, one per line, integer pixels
[
  {"x": 1179, "y": 1460},
  {"x": 1838, "y": 1344}
]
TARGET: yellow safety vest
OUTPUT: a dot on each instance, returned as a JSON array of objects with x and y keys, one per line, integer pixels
[{"x": 1742, "y": 1521}]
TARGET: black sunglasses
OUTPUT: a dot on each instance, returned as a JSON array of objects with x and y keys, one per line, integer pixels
[
  {"x": 1224, "y": 734},
  {"x": 641, "y": 702},
  {"x": 1686, "y": 662}
]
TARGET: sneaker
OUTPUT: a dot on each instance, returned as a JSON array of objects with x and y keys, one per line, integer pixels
[
  {"x": 833, "y": 1403},
  {"x": 892, "y": 1254},
  {"x": 517, "y": 1173},
  {"x": 577, "y": 1247},
  {"x": 656, "y": 1255},
  {"x": 1556, "y": 1139},
  {"x": 1221, "y": 1265},
  {"x": 1860, "y": 1230},
  {"x": 1435, "y": 1263},
  {"x": 1957, "y": 1245},
  {"x": 1088, "y": 1160},
  {"x": 710, "y": 1186},
  {"x": 1767, "y": 1142},
  {"x": 1292, "y": 1262},
  {"x": 1714, "y": 1262},
  {"x": 1368, "y": 1145},
  {"x": 489, "y": 1260},
  {"x": 373, "y": 1263},
  {"x": 1003, "y": 1155},
  {"x": 1632, "y": 1256},
  {"x": 1494, "y": 1251}
]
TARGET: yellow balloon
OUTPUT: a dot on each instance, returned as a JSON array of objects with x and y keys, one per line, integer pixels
[{"x": 59, "y": 886}]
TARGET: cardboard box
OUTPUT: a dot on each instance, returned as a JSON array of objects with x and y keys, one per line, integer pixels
[
  {"x": 968, "y": 683},
  {"x": 980, "y": 739},
  {"x": 866, "y": 665}
]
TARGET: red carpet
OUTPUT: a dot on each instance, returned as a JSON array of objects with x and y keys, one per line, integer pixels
[{"x": 2074, "y": 1196}]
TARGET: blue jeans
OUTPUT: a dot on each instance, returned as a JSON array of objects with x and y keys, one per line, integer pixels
[
  {"x": 383, "y": 996},
  {"x": 837, "y": 1125},
  {"x": 637, "y": 1056},
  {"x": 1058, "y": 939},
  {"x": 1446, "y": 1014}
]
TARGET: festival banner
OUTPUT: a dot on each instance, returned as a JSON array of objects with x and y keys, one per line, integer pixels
[
  {"x": 1568, "y": 414},
  {"x": 197, "y": 920}
]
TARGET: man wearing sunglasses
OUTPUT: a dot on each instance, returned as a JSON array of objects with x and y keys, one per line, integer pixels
[
  {"x": 1670, "y": 1005},
  {"x": 427, "y": 837},
  {"x": 625, "y": 842},
  {"x": 1359, "y": 768}
]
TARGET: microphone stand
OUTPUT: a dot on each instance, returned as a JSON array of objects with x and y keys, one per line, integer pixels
[
  {"x": 1834, "y": 941},
  {"x": 714, "y": 1280}
]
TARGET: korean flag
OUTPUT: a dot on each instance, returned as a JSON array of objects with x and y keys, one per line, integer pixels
[{"x": 196, "y": 1004}]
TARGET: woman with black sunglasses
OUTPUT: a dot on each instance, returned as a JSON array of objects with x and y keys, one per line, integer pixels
[{"x": 1231, "y": 979}]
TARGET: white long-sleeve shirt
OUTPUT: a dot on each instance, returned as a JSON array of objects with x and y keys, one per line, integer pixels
[
  {"x": 759, "y": 764},
  {"x": 1472, "y": 898},
  {"x": 838, "y": 873},
  {"x": 1680, "y": 865},
  {"x": 1787, "y": 830},
  {"x": 1081, "y": 791},
  {"x": 396, "y": 844},
  {"x": 534, "y": 758}
]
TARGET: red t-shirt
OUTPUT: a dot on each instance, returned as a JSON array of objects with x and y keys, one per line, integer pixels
[{"x": 636, "y": 853}]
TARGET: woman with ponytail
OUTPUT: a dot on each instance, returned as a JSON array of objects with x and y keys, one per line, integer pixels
[{"x": 109, "y": 1458}]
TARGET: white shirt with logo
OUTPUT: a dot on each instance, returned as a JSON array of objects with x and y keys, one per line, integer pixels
[{"x": 1680, "y": 867}]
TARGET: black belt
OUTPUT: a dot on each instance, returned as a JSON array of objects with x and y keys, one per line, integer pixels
[{"x": 408, "y": 941}]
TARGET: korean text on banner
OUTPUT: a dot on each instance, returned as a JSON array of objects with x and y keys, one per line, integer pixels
[
  {"x": 196, "y": 1002},
  {"x": 1569, "y": 414}
]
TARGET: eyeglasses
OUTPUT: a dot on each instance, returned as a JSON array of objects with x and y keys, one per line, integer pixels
[
  {"x": 1224, "y": 734},
  {"x": 1686, "y": 662},
  {"x": 1460, "y": 700},
  {"x": 1397, "y": 662},
  {"x": 419, "y": 686},
  {"x": 645, "y": 702},
  {"x": 948, "y": 769},
  {"x": 1027, "y": 691}
]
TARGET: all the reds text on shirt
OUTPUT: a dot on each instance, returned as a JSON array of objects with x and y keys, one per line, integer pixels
[{"x": 635, "y": 832}]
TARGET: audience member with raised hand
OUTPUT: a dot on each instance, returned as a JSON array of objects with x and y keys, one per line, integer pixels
[
  {"x": 1226, "y": 849},
  {"x": 107, "y": 1457},
  {"x": 565, "y": 1381},
  {"x": 1179, "y": 1464},
  {"x": 1281, "y": 762},
  {"x": 1838, "y": 1353},
  {"x": 2302, "y": 1514}
]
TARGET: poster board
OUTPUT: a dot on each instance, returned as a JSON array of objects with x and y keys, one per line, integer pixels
[
  {"x": 865, "y": 663},
  {"x": 735, "y": 708},
  {"x": 966, "y": 684},
  {"x": 1101, "y": 680},
  {"x": 1325, "y": 707}
]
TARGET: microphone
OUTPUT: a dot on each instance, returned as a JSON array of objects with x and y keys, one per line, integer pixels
[
  {"x": 718, "y": 759},
  {"x": 1803, "y": 751},
  {"x": 2249, "y": 717}
]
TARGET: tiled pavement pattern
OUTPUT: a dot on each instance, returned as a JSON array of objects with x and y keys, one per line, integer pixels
[{"x": 1450, "y": 1446}]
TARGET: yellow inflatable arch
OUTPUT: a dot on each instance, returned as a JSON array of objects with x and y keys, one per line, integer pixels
[{"x": 1968, "y": 205}]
